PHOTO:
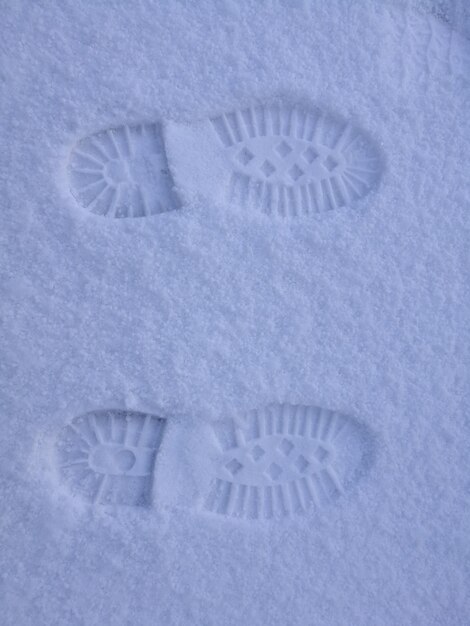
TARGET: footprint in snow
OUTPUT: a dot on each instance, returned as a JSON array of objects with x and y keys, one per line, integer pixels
[
  {"x": 279, "y": 159},
  {"x": 272, "y": 463}
]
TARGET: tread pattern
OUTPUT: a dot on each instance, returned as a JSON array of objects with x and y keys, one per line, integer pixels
[
  {"x": 284, "y": 460},
  {"x": 108, "y": 457},
  {"x": 294, "y": 161},
  {"x": 122, "y": 172}
]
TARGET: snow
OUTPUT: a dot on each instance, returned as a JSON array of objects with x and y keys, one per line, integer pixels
[{"x": 204, "y": 312}]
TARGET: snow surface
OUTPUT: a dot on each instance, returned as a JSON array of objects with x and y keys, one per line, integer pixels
[{"x": 199, "y": 314}]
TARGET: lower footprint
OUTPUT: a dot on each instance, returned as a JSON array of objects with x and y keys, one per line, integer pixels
[
  {"x": 284, "y": 459},
  {"x": 108, "y": 457},
  {"x": 122, "y": 172},
  {"x": 286, "y": 160}
]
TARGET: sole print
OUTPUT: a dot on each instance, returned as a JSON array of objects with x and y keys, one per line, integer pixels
[
  {"x": 108, "y": 457},
  {"x": 279, "y": 159},
  {"x": 122, "y": 172},
  {"x": 285, "y": 459}
]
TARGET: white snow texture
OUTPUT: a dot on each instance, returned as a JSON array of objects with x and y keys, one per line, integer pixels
[{"x": 235, "y": 313}]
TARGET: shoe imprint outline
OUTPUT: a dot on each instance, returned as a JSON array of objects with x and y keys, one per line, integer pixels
[
  {"x": 284, "y": 159},
  {"x": 283, "y": 460},
  {"x": 108, "y": 457}
]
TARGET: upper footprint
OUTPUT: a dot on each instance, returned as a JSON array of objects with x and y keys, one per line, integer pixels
[
  {"x": 122, "y": 172},
  {"x": 425, "y": 48},
  {"x": 284, "y": 459},
  {"x": 280, "y": 159}
]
